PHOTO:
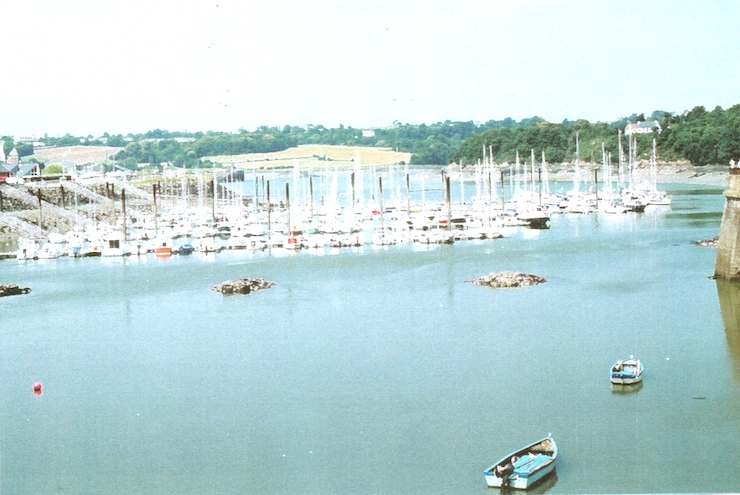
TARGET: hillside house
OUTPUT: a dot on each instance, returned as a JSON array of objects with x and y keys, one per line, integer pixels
[
  {"x": 645, "y": 127},
  {"x": 30, "y": 170}
]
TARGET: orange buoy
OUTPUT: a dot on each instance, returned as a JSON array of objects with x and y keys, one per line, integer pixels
[{"x": 37, "y": 388}]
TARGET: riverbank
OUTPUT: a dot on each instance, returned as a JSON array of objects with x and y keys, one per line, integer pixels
[{"x": 666, "y": 173}]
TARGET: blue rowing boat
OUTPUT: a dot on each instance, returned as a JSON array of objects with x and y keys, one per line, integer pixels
[
  {"x": 626, "y": 372},
  {"x": 524, "y": 468}
]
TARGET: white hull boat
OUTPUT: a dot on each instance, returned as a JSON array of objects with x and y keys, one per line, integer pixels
[{"x": 626, "y": 372}]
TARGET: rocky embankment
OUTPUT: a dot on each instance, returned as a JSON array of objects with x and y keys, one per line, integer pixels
[
  {"x": 242, "y": 286},
  {"x": 508, "y": 280},
  {"x": 12, "y": 290}
]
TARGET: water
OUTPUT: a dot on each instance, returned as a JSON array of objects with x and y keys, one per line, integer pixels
[{"x": 379, "y": 370}]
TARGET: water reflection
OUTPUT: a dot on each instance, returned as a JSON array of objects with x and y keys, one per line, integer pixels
[
  {"x": 626, "y": 389},
  {"x": 729, "y": 303},
  {"x": 540, "y": 488}
]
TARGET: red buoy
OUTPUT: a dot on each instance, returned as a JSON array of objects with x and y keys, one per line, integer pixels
[{"x": 37, "y": 388}]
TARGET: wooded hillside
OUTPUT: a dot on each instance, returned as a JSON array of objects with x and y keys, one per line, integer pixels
[{"x": 698, "y": 136}]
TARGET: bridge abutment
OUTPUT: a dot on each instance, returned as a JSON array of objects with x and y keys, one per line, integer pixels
[{"x": 727, "y": 265}]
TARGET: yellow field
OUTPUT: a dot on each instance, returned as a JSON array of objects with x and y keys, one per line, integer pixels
[
  {"x": 315, "y": 156},
  {"x": 307, "y": 157},
  {"x": 78, "y": 154}
]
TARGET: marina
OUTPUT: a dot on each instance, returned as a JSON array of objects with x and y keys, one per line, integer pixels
[
  {"x": 154, "y": 383},
  {"x": 324, "y": 250},
  {"x": 312, "y": 209}
]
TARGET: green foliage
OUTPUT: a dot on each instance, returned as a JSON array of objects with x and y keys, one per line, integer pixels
[
  {"x": 66, "y": 140},
  {"x": 53, "y": 170},
  {"x": 130, "y": 163},
  {"x": 116, "y": 141},
  {"x": 557, "y": 140},
  {"x": 705, "y": 137},
  {"x": 7, "y": 144},
  {"x": 698, "y": 136},
  {"x": 24, "y": 149}
]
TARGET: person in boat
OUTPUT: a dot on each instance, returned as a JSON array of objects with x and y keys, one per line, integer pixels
[
  {"x": 504, "y": 471},
  {"x": 618, "y": 366}
]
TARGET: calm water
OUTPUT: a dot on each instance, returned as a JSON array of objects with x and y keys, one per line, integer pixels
[{"x": 379, "y": 370}]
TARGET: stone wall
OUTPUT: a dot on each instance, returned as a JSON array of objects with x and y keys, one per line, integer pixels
[{"x": 727, "y": 265}]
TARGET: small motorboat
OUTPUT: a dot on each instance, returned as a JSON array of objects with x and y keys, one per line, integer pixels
[
  {"x": 525, "y": 467},
  {"x": 626, "y": 371},
  {"x": 162, "y": 247},
  {"x": 186, "y": 249}
]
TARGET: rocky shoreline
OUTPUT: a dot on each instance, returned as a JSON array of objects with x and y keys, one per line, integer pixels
[{"x": 666, "y": 173}]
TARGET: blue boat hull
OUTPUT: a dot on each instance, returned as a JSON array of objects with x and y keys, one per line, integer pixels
[{"x": 524, "y": 468}]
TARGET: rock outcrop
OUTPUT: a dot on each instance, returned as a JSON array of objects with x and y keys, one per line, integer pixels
[
  {"x": 508, "y": 280},
  {"x": 12, "y": 290},
  {"x": 242, "y": 286},
  {"x": 711, "y": 243}
]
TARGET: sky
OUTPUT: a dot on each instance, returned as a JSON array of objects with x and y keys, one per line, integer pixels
[{"x": 86, "y": 67}]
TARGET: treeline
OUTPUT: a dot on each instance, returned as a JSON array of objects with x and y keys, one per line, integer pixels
[
  {"x": 428, "y": 144},
  {"x": 698, "y": 136}
]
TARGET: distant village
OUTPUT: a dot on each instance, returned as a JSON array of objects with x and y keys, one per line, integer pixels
[{"x": 14, "y": 170}]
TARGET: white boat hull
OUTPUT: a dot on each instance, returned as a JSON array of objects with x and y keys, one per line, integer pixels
[
  {"x": 626, "y": 381},
  {"x": 627, "y": 372}
]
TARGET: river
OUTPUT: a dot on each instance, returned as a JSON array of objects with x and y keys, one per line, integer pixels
[{"x": 379, "y": 370}]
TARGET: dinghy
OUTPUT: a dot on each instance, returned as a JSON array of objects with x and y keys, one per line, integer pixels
[{"x": 525, "y": 467}]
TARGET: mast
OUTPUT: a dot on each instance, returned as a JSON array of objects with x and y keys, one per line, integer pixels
[
  {"x": 533, "y": 188},
  {"x": 620, "y": 166},
  {"x": 462, "y": 184},
  {"x": 576, "y": 174},
  {"x": 654, "y": 167},
  {"x": 545, "y": 180}
]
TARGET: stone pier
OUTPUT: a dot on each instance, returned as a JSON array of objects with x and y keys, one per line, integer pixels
[{"x": 727, "y": 265}]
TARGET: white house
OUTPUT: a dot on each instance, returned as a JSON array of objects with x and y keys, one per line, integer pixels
[{"x": 645, "y": 127}]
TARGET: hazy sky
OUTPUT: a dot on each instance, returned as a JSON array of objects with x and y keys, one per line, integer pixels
[{"x": 128, "y": 66}]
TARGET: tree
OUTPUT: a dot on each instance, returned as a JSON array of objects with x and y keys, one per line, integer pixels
[
  {"x": 116, "y": 141},
  {"x": 24, "y": 149},
  {"x": 53, "y": 169}
]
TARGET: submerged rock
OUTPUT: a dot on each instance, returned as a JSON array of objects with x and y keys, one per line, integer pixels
[
  {"x": 12, "y": 290},
  {"x": 242, "y": 286},
  {"x": 508, "y": 280},
  {"x": 712, "y": 242}
]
